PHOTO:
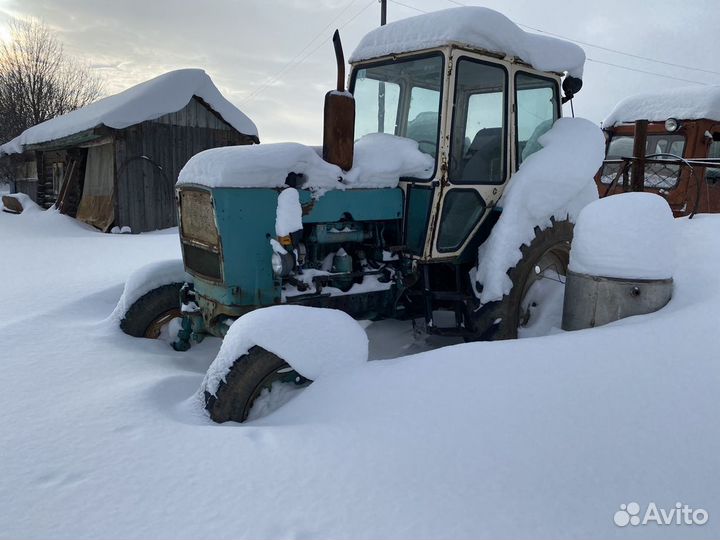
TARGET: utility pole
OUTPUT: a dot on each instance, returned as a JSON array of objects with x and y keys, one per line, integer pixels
[{"x": 381, "y": 85}]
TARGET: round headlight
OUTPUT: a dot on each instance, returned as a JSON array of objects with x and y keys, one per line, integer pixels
[
  {"x": 671, "y": 124},
  {"x": 277, "y": 264}
]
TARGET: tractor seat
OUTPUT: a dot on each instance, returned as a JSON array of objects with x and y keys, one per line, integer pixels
[{"x": 485, "y": 152}]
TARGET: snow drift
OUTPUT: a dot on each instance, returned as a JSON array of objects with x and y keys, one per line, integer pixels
[{"x": 538, "y": 438}]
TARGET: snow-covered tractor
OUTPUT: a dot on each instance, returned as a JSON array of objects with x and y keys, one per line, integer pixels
[{"x": 449, "y": 105}]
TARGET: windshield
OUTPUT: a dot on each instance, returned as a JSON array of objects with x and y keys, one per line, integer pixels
[
  {"x": 401, "y": 98},
  {"x": 657, "y": 175}
]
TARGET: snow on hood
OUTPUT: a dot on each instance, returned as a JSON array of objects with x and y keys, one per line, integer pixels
[
  {"x": 151, "y": 99},
  {"x": 380, "y": 160},
  {"x": 687, "y": 103},
  {"x": 477, "y": 27},
  {"x": 557, "y": 181}
]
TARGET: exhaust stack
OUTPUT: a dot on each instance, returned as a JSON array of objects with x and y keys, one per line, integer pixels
[{"x": 339, "y": 117}]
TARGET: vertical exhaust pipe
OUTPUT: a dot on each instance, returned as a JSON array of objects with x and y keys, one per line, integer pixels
[{"x": 339, "y": 117}]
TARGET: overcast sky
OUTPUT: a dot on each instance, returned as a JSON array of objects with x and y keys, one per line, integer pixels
[{"x": 274, "y": 58}]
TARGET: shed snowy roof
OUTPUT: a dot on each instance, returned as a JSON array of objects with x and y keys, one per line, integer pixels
[
  {"x": 151, "y": 99},
  {"x": 686, "y": 103},
  {"x": 477, "y": 27}
]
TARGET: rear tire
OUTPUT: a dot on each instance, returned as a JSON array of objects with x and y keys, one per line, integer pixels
[
  {"x": 149, "y": 313},
  {"x": 500, "y": 320},
  {"x": 247, "y": 378}
]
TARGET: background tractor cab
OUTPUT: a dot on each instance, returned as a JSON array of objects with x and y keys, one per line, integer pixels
[{"x": 666, "y": 142}]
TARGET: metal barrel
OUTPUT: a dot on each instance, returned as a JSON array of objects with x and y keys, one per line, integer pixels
[{"x": 596, "y": 300}]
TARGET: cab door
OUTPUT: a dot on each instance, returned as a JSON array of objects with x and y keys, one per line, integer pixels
[
  {"x": 478, "y": 157},
  {"x": 499, "y": 113}
]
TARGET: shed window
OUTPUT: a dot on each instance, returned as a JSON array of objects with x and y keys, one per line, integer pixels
[
  {"x": 26, "y": 170},
  {"x": 58, "y": 173}
]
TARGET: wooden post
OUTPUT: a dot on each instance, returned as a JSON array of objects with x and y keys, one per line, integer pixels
[{"x": 637, "y": 176}]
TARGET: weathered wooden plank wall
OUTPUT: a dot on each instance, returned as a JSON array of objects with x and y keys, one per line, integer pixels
[{"x": 149, "y": 156}]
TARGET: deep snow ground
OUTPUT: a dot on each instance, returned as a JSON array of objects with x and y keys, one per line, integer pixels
[{"x": 541, "y": 437}]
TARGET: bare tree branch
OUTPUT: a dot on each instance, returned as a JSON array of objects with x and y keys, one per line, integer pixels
[{"x": 38, "y": 80}]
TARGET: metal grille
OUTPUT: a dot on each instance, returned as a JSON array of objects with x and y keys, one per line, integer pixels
[
  {"x": 661, "y": 175},
  {"x": 658, "y": 175},
  {"x": 198, "y": 217},
  {"x": 202, "y": 262}
]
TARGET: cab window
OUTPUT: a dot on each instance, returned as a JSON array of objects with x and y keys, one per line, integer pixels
[
  {"x": 657, "y": 175},
  {"x": 537, "y": 109},
  {"x": 712, "y": 174},
  {"x": 402, "y": 98},
  {"x": 477, "y": 146}
]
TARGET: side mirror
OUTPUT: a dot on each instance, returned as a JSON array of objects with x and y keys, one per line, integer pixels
[{"x": 571, "y": 86}]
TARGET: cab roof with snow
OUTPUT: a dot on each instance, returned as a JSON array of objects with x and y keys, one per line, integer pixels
[
  {"x": 686, "y": 103},
  {"x": 476, "y": 28}
]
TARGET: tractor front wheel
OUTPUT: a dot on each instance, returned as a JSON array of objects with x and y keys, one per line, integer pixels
[
  {"x": 257, "y": 383},
  {"x": 152, "y": 311}
]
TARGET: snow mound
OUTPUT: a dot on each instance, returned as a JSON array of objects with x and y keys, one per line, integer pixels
[
  {"x": 314, "y": 341},
  {"x": 262, "y": 166},
  {"x": 554, "y": 182},
  {"x": 151, "y": 99},
  {"x": 477, "y": 27},
  {"x": 380, "y": 161},
  {"x": 687, "y": 103},
  {"x": 625, "y": 236},
  {"x": 288, "y": 218},
  {"x": 145, "y": 279},
  {"x": 28, "y": 205}
]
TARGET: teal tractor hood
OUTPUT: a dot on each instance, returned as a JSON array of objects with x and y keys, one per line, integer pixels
[{"x": 245, "y": 219}]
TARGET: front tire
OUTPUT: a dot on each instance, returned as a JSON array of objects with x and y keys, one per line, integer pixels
[
  {"x": 248, "y": 377},
  {"x": 149, "y": 313},
  {"x": 549, "y": 252}
]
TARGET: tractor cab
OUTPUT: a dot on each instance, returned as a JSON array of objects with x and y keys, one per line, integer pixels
[{"x": 477, "y": 112}]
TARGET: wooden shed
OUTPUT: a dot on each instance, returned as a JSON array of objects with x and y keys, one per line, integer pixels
[{"x": 114, "y": 163}]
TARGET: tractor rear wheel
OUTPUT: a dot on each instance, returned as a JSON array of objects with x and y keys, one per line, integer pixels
[
  {"x": 544, "y": 260},
  {"x": 153, "y": 310},
  {"x": 257, "y": 374}
]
